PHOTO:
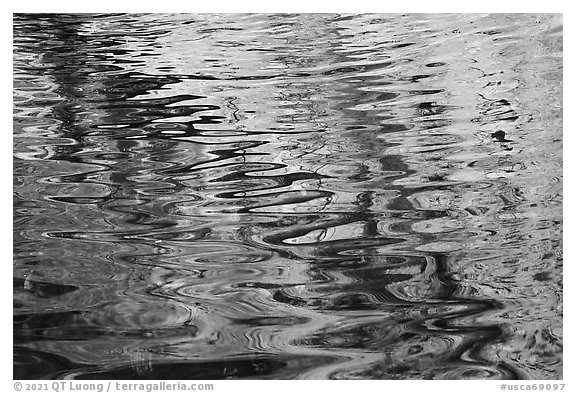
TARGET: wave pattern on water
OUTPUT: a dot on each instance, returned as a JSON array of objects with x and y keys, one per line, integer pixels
[{"x": 287, "y": 196}]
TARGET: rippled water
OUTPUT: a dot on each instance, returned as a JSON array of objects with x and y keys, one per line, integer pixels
[{"x": 288, "y": 196}]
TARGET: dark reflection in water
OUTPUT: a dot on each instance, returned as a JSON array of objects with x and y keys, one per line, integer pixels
[{"x": 287, "y": 196}]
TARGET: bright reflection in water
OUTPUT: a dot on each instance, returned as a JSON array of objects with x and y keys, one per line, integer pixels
[{"x": 288, "y": 196}]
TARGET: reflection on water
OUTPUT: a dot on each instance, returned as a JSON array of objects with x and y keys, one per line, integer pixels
[{"x": 288, "y": 196}]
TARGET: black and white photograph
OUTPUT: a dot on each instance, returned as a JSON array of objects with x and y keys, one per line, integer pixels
[{"x": 287, "y": 196}]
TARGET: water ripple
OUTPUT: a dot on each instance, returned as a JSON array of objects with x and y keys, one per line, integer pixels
[{"x": 311, "y": 196}]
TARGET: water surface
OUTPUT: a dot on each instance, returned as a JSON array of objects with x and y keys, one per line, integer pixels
[{"x": 287, "y": 196}]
